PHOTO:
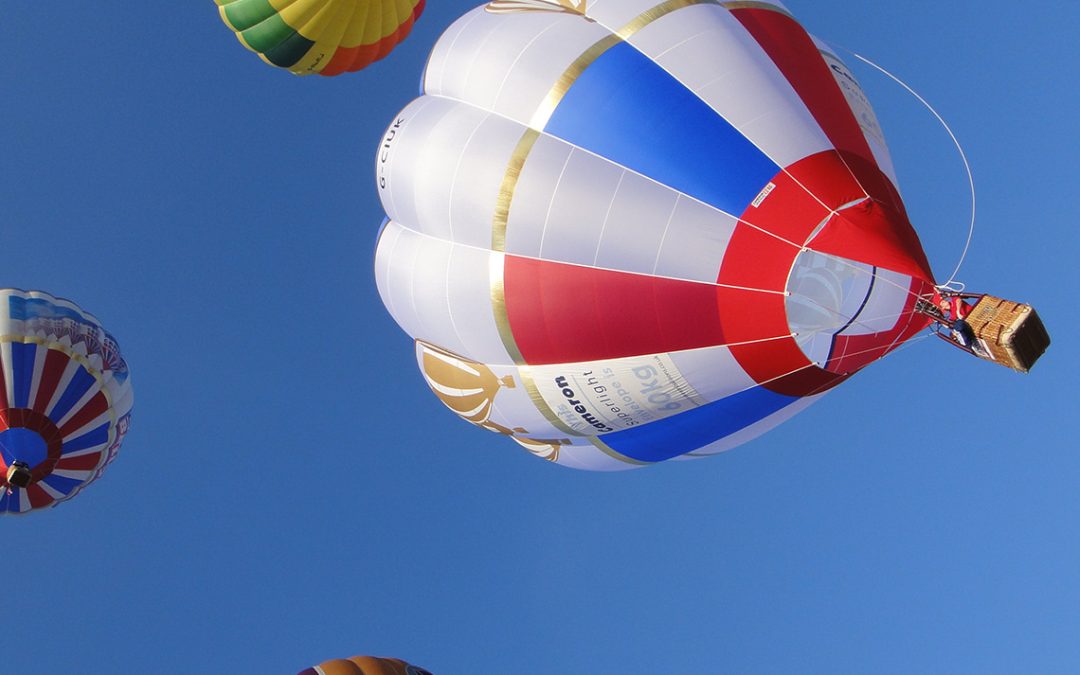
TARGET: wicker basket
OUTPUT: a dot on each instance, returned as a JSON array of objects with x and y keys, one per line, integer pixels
[{"x": 1012, "y": 332}]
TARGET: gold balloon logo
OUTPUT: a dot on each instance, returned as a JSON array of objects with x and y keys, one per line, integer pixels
[
  {"x": 469, "y": 388},
  {"x": 463, "y": 385}
]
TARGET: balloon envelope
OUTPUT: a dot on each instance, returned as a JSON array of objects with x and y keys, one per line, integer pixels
[
  {"x": 364, "y": 665},
  {"x": 626, "y": 232},
  {"x": 65, "y": 404},
  {"x": 328, "y": 37}
]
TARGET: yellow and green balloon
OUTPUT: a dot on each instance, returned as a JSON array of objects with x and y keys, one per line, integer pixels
[{"x": 328, "y": 37}]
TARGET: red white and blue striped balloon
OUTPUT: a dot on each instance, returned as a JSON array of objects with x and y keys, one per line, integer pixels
[
  {"x": 624, "y": 231},
  {"x": 65, "y": 403}
]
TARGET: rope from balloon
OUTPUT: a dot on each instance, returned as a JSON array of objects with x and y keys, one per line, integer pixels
[
  {"x": 1007, "y": 333},
  {"x": 951, "y": 284}
]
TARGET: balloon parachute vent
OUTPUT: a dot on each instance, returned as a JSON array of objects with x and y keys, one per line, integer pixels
[
  {"x": 18, "y": 475},
  {"x": 1012, "y": 332}
]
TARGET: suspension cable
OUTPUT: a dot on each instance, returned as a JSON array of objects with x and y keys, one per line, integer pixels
[{"x": 951, "y": 284}]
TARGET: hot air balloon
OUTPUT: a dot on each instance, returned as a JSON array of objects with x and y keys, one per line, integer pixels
[
  {"x": 66, "y": 401},
  {"x": 627, "y": 231},
  {"x": 328, "y": 37},
  {"x": 364, "y": 665}
]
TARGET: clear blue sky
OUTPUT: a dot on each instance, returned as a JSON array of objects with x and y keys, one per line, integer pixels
[{"x": 291, "y": 491}]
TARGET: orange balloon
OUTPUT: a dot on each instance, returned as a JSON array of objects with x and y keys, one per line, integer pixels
[{"x": 364, "y": 665}]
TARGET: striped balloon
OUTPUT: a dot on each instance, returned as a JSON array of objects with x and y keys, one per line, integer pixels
[
  {"x": 65, "y": 404},
  {"x": 364, "y": 665},
  {"x": 624, "y": 231},
  {"x": 328, "y": 37}
]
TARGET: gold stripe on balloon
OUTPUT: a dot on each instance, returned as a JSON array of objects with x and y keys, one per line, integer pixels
[
  {"x": 509, "y": 185},
  {"x": 498, "y": 307},
  {"x": 661, "y": 10}
]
